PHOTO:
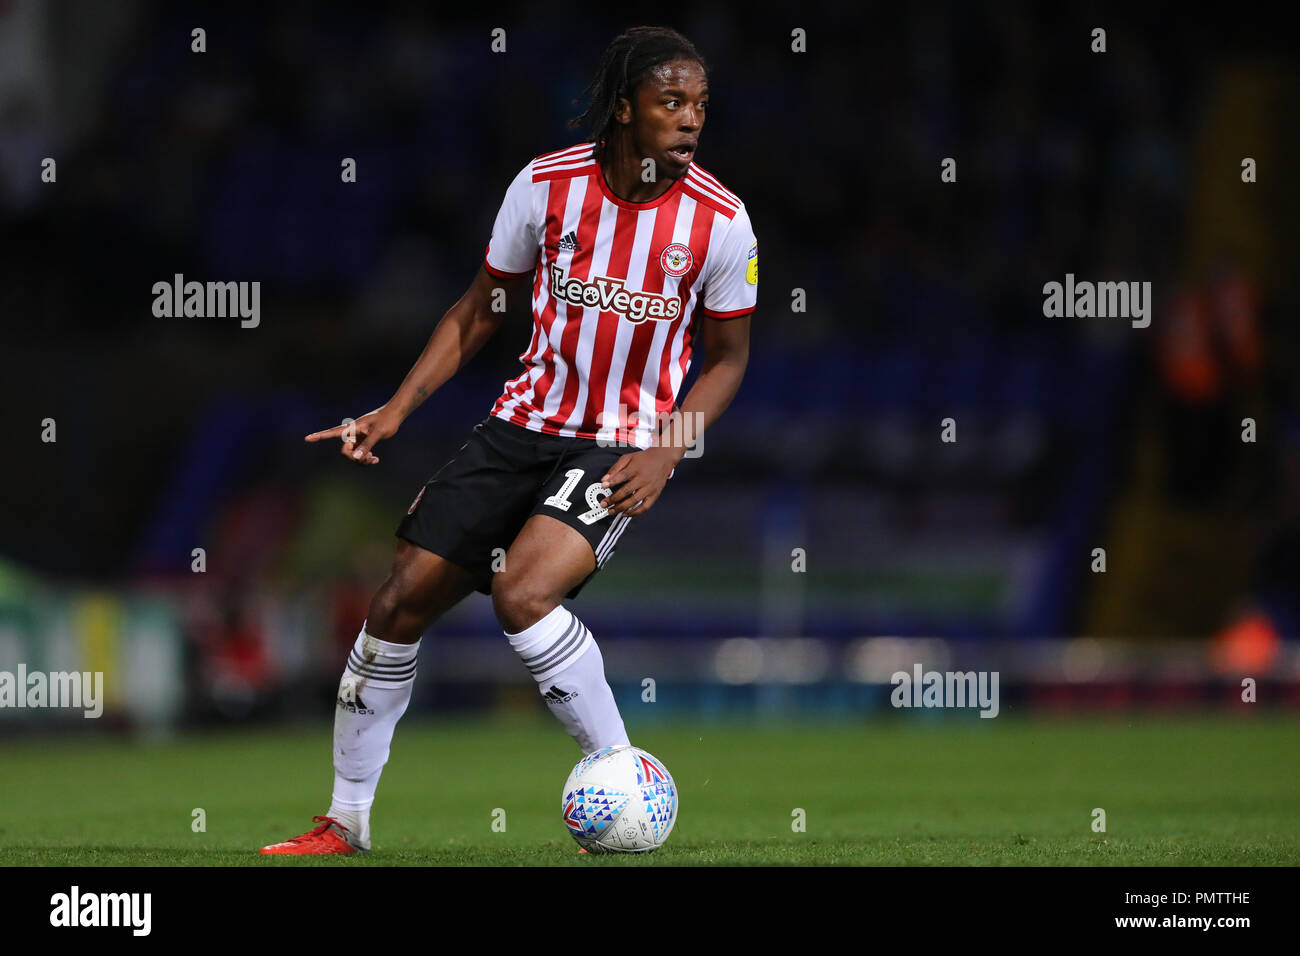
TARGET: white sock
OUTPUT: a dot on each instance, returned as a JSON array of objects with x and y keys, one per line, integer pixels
[
  {"x": 563, "y": 658},
  {"x": 350, "y": 805},
  {"x": 373, "y": 694}
]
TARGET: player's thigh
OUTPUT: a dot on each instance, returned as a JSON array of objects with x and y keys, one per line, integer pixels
[
  {"x": 550, "y": 553},
  {"x": 474, "y": 506},
  {"x": 546, "y": 561},
  {"x": 574, "y": 496},
  {"x": 421, "y": 582},
  {"x": 567, "y": 538}
]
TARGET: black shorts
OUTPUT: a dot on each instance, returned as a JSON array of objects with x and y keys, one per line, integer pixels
[{"x": 476, "y": 504}]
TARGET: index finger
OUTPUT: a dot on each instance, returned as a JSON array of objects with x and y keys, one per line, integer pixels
[{"x": 334, "y": 432}]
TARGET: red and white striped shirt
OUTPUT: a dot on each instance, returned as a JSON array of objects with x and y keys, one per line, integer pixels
[{"x": 615, "y": 290}]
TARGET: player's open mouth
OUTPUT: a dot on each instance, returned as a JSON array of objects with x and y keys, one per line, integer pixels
[{"x": 682, "y": 153}]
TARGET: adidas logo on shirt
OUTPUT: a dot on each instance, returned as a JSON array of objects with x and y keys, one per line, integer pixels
[{"x": 569, "y": 243}]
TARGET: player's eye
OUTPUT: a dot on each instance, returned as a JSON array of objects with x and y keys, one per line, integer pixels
[{"x": 672, "y": 104}]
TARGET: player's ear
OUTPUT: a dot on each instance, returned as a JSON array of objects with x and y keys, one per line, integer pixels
[{"x": 623, "y": 111}]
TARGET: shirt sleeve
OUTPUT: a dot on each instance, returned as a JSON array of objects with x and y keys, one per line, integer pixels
[
  {"x": 731, "y": 289},
  {"x": 513, "y": 248}
]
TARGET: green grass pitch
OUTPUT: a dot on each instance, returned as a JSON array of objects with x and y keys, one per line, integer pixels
[{"x": 1209, "y": 790}]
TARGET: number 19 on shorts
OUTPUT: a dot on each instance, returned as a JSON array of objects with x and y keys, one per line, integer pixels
[{"x": 594, "y": 495}]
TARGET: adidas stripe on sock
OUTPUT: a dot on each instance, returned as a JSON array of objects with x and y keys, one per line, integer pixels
[
  {"x": 373, "y": 695},
  {"x": 563, "y": 658},
  {"x": 548, "y": 646}
]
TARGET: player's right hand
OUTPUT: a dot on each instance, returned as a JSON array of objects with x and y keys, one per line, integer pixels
[{"x": 362, "y": 435}]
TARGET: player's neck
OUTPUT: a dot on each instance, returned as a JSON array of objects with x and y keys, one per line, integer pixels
[{"x": 623, "y": 173}]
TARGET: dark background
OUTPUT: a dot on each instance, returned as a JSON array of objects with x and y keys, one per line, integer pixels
[{"x": 924, "y": 301}]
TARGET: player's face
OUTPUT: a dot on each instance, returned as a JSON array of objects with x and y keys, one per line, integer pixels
[{"x": 669, "y": 115}]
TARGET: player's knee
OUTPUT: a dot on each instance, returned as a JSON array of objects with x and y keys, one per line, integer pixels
[
  {"x": 518, "y": 602},
  {"x": 382, "y": 613},
  {"x": 393, "y": 615}
]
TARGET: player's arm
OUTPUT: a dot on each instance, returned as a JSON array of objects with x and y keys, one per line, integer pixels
[
  {"x": 460, "y": 334},
  {"x": 643, "y": 474}
]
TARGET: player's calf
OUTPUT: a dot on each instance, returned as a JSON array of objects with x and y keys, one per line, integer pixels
[
  {"x": 379, "y": 677},
  {"x": 544, "y": 563}
]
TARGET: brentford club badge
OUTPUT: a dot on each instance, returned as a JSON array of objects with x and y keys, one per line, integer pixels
[{"x": 676, "y": 259}]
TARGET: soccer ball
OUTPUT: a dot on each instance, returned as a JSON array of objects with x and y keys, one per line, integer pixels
[{"x": 620, "y": 800}]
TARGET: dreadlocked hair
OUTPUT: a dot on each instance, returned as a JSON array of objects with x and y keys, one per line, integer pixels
[{"x": 626, "y": 62}]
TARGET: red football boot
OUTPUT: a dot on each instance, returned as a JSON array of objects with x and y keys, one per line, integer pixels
[{"x": 329, "y": 837}]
